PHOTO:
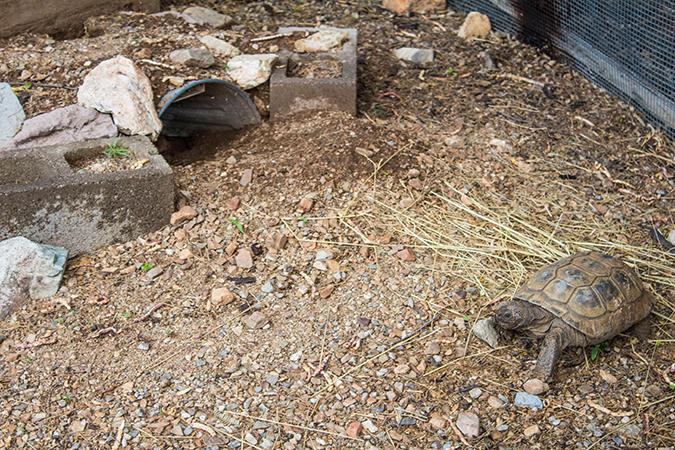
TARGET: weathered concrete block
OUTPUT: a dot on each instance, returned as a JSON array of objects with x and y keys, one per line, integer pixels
[
  {"x": 63, "y": 196},
  {"x": 291, "y": 94}
]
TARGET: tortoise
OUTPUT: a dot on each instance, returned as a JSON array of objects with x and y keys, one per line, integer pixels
[{"x": 581, "y": 300}]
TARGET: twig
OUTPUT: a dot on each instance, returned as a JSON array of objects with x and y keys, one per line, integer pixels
[
  {"x": 152, "y": 309},
  {"x": 158, "y": 64},
  {"x": 272, "y": 37}
]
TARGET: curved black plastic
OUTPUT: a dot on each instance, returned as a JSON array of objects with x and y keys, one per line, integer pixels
[{"x": 206, "y": 105}]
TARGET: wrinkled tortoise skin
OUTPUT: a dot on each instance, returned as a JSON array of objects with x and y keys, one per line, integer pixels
[{"x": 592, "y": 292}]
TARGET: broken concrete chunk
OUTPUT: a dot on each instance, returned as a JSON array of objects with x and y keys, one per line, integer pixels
[
  {"x": 476, "y": 25},
  {"x": 72, "y": 123},
  {"x": 192, "y": 57},
  {"x": 119, "y": 87},
  {"x": 219, "y": 47},
  {"x": 11, "y": 113},
  {"x": 323, "y": 41},
  {"x": 28, "y": 270},
  {"x": 249, "y": 71},
  {"x": 417, "y": 56},
  {"x": 204, "y": 16}
]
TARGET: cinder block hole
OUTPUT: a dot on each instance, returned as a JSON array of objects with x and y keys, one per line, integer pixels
[
  {"x": 104, "y": 160},
  {"x": 314, "y": 68}
]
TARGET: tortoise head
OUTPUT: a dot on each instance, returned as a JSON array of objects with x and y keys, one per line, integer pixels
[{"x": 513, "y": 314}]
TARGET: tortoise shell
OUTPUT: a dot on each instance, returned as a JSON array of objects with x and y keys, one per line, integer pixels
[{"x": 595, "y": 293}]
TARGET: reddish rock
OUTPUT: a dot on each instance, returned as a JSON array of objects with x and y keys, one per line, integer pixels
[
  {"x": 183, "y": 215},
  {"x": 326, "y": 291},
  {"x": 246, "y": 177},
  {"x": 233, "y": 203},
  {"x": 221, "y": 296},
  {"x": 406, "y": 255},
  {"x": 276, "y": 241},
  {"x": 305, "y": 205},
  {"x": 354, "y": 429},
  {"x": 244, "y": 259}
]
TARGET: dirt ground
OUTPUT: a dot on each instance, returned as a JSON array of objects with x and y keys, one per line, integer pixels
[{"x": 338, "y": 339}]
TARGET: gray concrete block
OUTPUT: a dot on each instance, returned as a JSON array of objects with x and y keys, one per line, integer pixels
[
  {"x": 290, "y": 95},
  {"x": 45, "y": 198}
]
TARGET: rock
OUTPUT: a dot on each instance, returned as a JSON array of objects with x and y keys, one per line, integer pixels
[
  {"x": 268, "y": 287},
  {"x": 154, "y": 273},
  {"x": 397, "y": 6},
  {"x": 631, "y": 430},
  {"x": 221, "y": 296},
  {"x": 276, "y": 241},
  {"x": 72, "y": 123},
  {"x": 476, "y": 25},
  {"x": 28, "y": 270},
  {"x": 246, "y": 177},
  {"x": 608, "y": 377},
  {"x": 323, "y": 255},
  {"x": 117, "y": 86},
  {"x": 354, "y": 429},
  {"x": 233, "y": 203},
  {"x": 469, "y": 424},
  {"x": 416, "y": 6},
  {"x": 406, "y": 255},
  {"x": 495, "y": 402},
  {"x": 183, "y": 215},
  {"x": 525, "y": 400},
  {"x": 322, "y": 41},
  {"x": 402, "y": 369},
  {"x": 438, "y": 423},
  {"x": 144, "y": 346},
  {"x": 432, "y": 348},
  {"x": 305, "y": 205},
  {"x": 244, "y": 259},
  {"x": 671, "y": 236},
  {"x": 249, "y": 71},
  {"x": 488, "y": 60},
  {"x": 475, "y": 393},
  {"x": 204, "y": 16},
  {"x": 535, "y": 386},
  {"x": 326, "y": 292},
  {"x": 256, "y": 320},
  {"x": 369, "y": 426},
  {"x": 484, "y": 329},
  {"x": 11, "y": 113},
  {"x": 531, "y": 431},
  {"x": 192, "y": 57},
  {"x": 219, "y": 47},
  {"x": 417, "y": 56}
]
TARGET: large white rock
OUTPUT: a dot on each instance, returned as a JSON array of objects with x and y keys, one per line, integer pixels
[
  {"x": 219, "y": 47},
  {"x": 321, "y": 41},
  {"x": 117, "y": 86},
  {"x": 476, "y": 25},
  {"x": 72, "y": 123},
  {"x": 417, "y": 56},
  {"x": 249, "y": 71},
  {"x": 205, "y": 16},
  {"x": 11, "y": 113},
  {"x": 28, "y": 271}
]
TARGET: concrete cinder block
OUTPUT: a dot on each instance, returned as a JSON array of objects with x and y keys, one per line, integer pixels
[
  {"x": 45, "y": 198},
  {"x": 290, "y": 95}
]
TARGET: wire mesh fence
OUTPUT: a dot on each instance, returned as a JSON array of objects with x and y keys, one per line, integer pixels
[{"x": 624, "y": 46}]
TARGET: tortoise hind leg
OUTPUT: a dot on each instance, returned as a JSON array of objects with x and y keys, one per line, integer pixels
[
  {"x": 554, "y": 343},
  {"x": 642, "y": 329}
]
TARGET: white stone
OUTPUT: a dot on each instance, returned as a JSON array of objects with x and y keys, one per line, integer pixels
[
  {"x": 469, "y": 424},
  {"x": 28, "y": 270},
  {"x": 11, "y": 113},
  {"x": 219, "y": 47},
  {"x": 484, "y": 330},
  {"x": 322, "y": 41},
  {"x": 417, "y": 56},
  {"x": 249, "y": 71},
  {"x": 117, "y": 86},
  {"x": 476, "y": 25},
  {"x": 205, "y": 16}
]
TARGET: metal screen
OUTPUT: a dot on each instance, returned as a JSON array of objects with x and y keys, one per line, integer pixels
[{"x": 624, "y": 46}]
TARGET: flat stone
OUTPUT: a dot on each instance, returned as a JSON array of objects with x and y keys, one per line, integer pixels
[
  {"x": 484, "y": 329},
  {"x": 525, "y": 400},
  {"x": 476, "y": 25},
  {"x": 326, "y": 291},
  {"x": 268, "y": 287},
  {"x": 219, "y": 47},
  {"x": 469, "y": 424},
  {"x": 305, "y": 205},
  {"x": 402, "y": 7},
  {"x": 322, "y": 41},
  {"x": 256, "y": 320},
  {"x": 28, "y": 271},
  {"x": 354, "y": 429},
  {"x": 531, "y": 431},
  {"x": 432, "y": 348},
  {"x": 205, "y": 16},
  {"x": 246, "y": 177},
  {"x": 118, "y": 87},
  {"x": 323, "y": 255},
  {"x": 406, "y": 255},
  {"x": 475, "y": 393},
  {"x": 276, "y": 241},
  {"x": 495, "y": 402},
  {"x": 244, "y": 259},
  {"x": 183, "y": 215},
  {"x": 438, "y": 423},
  {"x": 154, "y": 273},
  {"x": 11, "y": 113},
  {"x": 535, "y": 386},
  {"x": 65, "y": 125},
  {"x": 221, "y": 296},
  {"x": 249, "y": 71},
  {"x": 192, "y": 57},
  {"x": 369, "y": 426},
  {"x": 417, "y": 56}
]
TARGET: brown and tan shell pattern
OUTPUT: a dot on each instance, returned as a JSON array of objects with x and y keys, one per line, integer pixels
[{"x": 595, "y": 293}]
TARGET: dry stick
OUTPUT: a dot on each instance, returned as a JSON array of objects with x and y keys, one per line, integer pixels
[
  {"x": 152, "y": 309},
  {"x": 286, "y": 424},
  {"x": 272, "y": 37}
]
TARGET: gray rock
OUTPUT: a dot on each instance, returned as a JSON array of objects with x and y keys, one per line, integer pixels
[
  {"x": 249, "y": 71},
  {"x": 267, "y": 288},
  {"x": 219, "y": 47},
  {"x": 119, "y": 87},
  {"x": 475, "y": 393},
  {"x": 193, "y": 57},
  {"x": 469, "y": 424},
  {"x": 144, "y": 346},
  {"x": 322, "y": 41},
  {"x": 204, "y": 16},
  {"x": 523, "y": 399},
  {"x": 632, "y": 430},
  {"x": 484, "y": 329},
  {"x": 417, "y": 56},
  {"x": 11, "y": 113},
  {"x": 28, "y": 270},
  {"x": 72, "y": 123},
  {"x": 323, "y": 255}
]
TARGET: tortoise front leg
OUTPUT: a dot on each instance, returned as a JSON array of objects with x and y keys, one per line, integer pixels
[{"x": 553, "y": 345}]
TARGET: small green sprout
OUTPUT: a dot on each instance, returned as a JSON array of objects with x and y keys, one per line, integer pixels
[
  {"x": 596, "y": 349},
  {"x": 226, "y": 68},
  {"x": 450, "y": 71},
  {"x": 671, "y": 386},
  {"x": 24, "y": 87},
  {"x": 116, "y": 151},
  {"x": 467, "y": 318},
  {"x": 146, "y": 266},
  {"x": 303, "y": 219},
  {"x": 127, "y": 314},
  {"x": 236, "y": 223},
  {"x": 67, "y": 398}
]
